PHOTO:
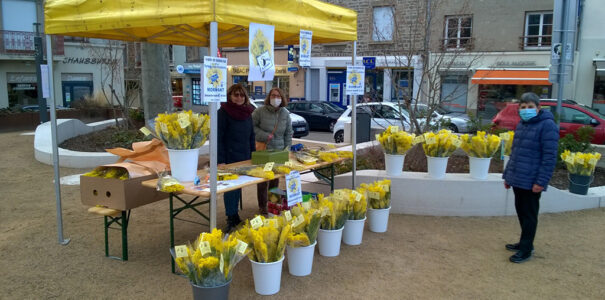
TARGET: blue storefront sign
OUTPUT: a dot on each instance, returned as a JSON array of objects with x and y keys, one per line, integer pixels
[
  {"x": 258, "y": 90},
  {"x": 369, "y": 62}
]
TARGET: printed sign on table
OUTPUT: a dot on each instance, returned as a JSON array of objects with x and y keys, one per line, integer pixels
[
  {"x": 215, "y": 79},
  {"x": 293, "y": 188},
  {"x": 355, "y": 80},
  {"x": 306, "y": 38},
  {"x": 260, "y": 49}
]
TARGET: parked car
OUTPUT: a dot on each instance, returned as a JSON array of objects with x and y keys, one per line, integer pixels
[
  {"x": 382, "y": 114},
  {"x": 320, "y": 115},
  {"x": 458, "y": 122},
  {"x": 573, "y": 117},
  {"x": 299, "y": 125}
]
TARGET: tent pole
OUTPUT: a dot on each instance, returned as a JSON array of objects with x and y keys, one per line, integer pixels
[
  {"x": 213, "y": 132},
  {"x": 354, "y": 122},
  {"x": 53, "y": 131}
]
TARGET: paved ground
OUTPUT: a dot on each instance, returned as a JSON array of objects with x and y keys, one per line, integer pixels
[{"x": 420, "y": 257}]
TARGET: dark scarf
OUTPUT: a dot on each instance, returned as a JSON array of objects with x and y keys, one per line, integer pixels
[{"x": 238, "y": 112}]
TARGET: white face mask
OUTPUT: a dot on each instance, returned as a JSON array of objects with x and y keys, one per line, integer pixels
[{"x": 275, "y": 102}]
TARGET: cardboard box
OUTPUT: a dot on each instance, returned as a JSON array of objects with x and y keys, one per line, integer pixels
[
  {"x": 281, "y": 204},
  {"x": 263, "y": 157},
  {"x": 120, "y": 194}
]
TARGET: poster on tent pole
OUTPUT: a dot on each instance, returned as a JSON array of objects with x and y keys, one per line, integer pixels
[
  {"x": 355, "y": 80},
  {"x": 215, "y": 79},
  {"x": 306, "y": 37},
  {"x": 260, "y": 49}
]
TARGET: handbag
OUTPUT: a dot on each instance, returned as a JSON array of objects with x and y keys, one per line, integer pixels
[{"x": 261, "y": 146}]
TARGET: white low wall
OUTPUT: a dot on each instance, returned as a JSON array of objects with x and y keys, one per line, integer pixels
[{"x": 460, "y": 195}]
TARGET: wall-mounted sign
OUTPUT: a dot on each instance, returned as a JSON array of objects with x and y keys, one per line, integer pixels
[
  {"x": 88, "y": 60},
  {"x": 369, "y": 62}
]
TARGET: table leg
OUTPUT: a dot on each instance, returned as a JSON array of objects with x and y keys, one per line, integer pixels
[
  {"x": 332, "y": 171},
  {"x": 125, "y": 234},
  {"x": 106, "y": 236},
  {"x": 171, "y": 232}
]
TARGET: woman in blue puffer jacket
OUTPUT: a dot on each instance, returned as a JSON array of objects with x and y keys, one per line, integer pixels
[{"x": 531, "y": 164}]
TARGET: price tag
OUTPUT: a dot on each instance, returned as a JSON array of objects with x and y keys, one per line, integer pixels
[
  {"x": 394, "y": 129},
  {"x": 386, "y": 188},
  {"x": 256, "y": 223},
  {"x": 266, "y": 223},
  {"x": 338, "y": 194},
  {"x": 377, "y": 137},
  {"x": 289, "y": 164},
  {"x": 457, "y": 143},
  {"x": 145, "y": 131},
  {"x": 505, "y": 136},
  {"x": 417, "y": 140},
  {"x": 306, "y": 205},
  {"x": 184, "y": 123},
  {"x": 164, "y": 128},
  {"x": 205, "y": 248},
  {"x": 222, "y": 264},
  {"x": 268, "y": 166},
  {"x": 203, "y": 236},
  {"x": 592, "y": 161},
  {"x": 374, "y": 195},
  {"x": 569, "y": 160},
  {"x": 181, "y": 251},
  {"x": 431, "y": 140},
  {"x": 241, "y": 247},
  {"x": 288, "y": 215},
  {"x": 357, "y": 196},
  {"x": 580, "y": 161},
  {"x": 389, "y": 140},
  {"x": 298, "y": 220}
]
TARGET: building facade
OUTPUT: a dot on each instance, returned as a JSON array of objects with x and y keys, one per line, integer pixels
[{"x": 80, "y": 65}]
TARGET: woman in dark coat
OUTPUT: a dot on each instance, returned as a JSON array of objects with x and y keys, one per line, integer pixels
[
  {"x": 235, "y": 141},
  {"x": 532, "y": 162}
]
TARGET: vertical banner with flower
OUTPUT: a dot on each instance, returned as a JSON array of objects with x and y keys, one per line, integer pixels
[
  {"x": 260, "y": 49},
  {"x": 355, "y": 80},
  {"x": 293, "y": 189},
  {"x": 215, "y": 79},
  {"x": 305, "y": 48}
]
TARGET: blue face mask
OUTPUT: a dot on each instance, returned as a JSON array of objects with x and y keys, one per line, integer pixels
[{"x": 528, "y": 113}]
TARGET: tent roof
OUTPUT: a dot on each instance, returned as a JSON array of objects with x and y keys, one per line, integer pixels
[{"x": 186, "y": 22}]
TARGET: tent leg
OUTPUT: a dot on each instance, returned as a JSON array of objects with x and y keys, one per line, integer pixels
[
  {"x": 354, "y": 123},
  {"x": 213, "y": 132},
  {"x": 55, "y": 148}
]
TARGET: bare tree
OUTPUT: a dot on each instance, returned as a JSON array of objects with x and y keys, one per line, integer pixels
[
  {"x": 110, "y": 56},
  {"x": 411, "y": 49}
]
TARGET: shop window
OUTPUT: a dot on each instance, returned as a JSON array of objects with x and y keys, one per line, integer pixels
[
  {"x": 454, "y": 91},
  {"x": 458, "y": 30},
  {"x": 196, "y": 96},
  {"x": 402, "y": 85},
  {"x": 538, "y": 31},
  {"x": 598, "y": 96},
  {"x": 383, "y": 23},
  {"x": 282, "y": 82}
]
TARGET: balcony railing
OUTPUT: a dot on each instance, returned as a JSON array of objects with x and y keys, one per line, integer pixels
[
  {"x": 22, "y": 43},
  {"x": 535, "y": 42},
  {"x": 457, "y": 44}
]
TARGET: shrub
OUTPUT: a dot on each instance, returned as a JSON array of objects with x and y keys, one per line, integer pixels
[{"x": 580, "y": 142}]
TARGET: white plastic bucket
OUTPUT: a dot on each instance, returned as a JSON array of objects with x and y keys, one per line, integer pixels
[
  {"x": 479, "y": 167},
  {"x": 183, "y": 164},
  {"x": 436, "y": 166},
  {"x": 393, "y": 164},
  {"x": 267, "y": 276},
  {"x": 352, "y": 233},
  {"x": 506, "y": 158},
  {"x": 300, "y": 259},
  {"x": 329, "y": 242},
  {"x": 378, "y": 219}
]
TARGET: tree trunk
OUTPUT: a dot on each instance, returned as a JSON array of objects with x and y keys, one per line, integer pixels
[{"x": 155, "y": 75}]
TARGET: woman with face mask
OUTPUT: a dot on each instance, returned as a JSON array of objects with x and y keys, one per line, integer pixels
[
  {"x": 272, "y": 127},
  {"x": 235, "y": 142},
  {"x": 532, "y": 162}
]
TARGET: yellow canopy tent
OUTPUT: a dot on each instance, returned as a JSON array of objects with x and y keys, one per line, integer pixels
[{"x": 201, "y": 23}]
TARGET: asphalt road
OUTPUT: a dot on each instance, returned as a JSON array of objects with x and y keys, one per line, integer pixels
[{"x": 322, "y": 136}]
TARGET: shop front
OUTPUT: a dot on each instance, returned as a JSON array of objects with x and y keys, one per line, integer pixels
[
  {"x": 598, "y": 98},
  {"x": 258, "y": 89},
  {"x": 22, "y": 89}
]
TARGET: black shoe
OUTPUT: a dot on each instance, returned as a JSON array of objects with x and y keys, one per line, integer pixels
[
  {"x": 232, "y": 222},
  {"x": 513, "y": 247},
  {"x": 520, "y": 256}
]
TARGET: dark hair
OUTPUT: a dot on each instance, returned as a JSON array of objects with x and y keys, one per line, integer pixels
[
  {"x": 530, "y": 98},
  {"x": 238, "y": 88},
  {"x": 284, "y": 99}
]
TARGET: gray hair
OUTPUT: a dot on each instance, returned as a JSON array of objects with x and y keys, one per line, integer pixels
[{"x": 530, "y": 97}]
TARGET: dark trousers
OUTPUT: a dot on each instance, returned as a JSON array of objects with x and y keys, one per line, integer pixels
[
  {"x": 262, "y": 193},
  {"x": 231, "y": 201},
  {"x": 527, "y": 204}
]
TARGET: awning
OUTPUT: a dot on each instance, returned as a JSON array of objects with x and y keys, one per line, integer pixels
[
  {"x": 185, "y": 22},
  {"x": 511, "y": 77}
]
